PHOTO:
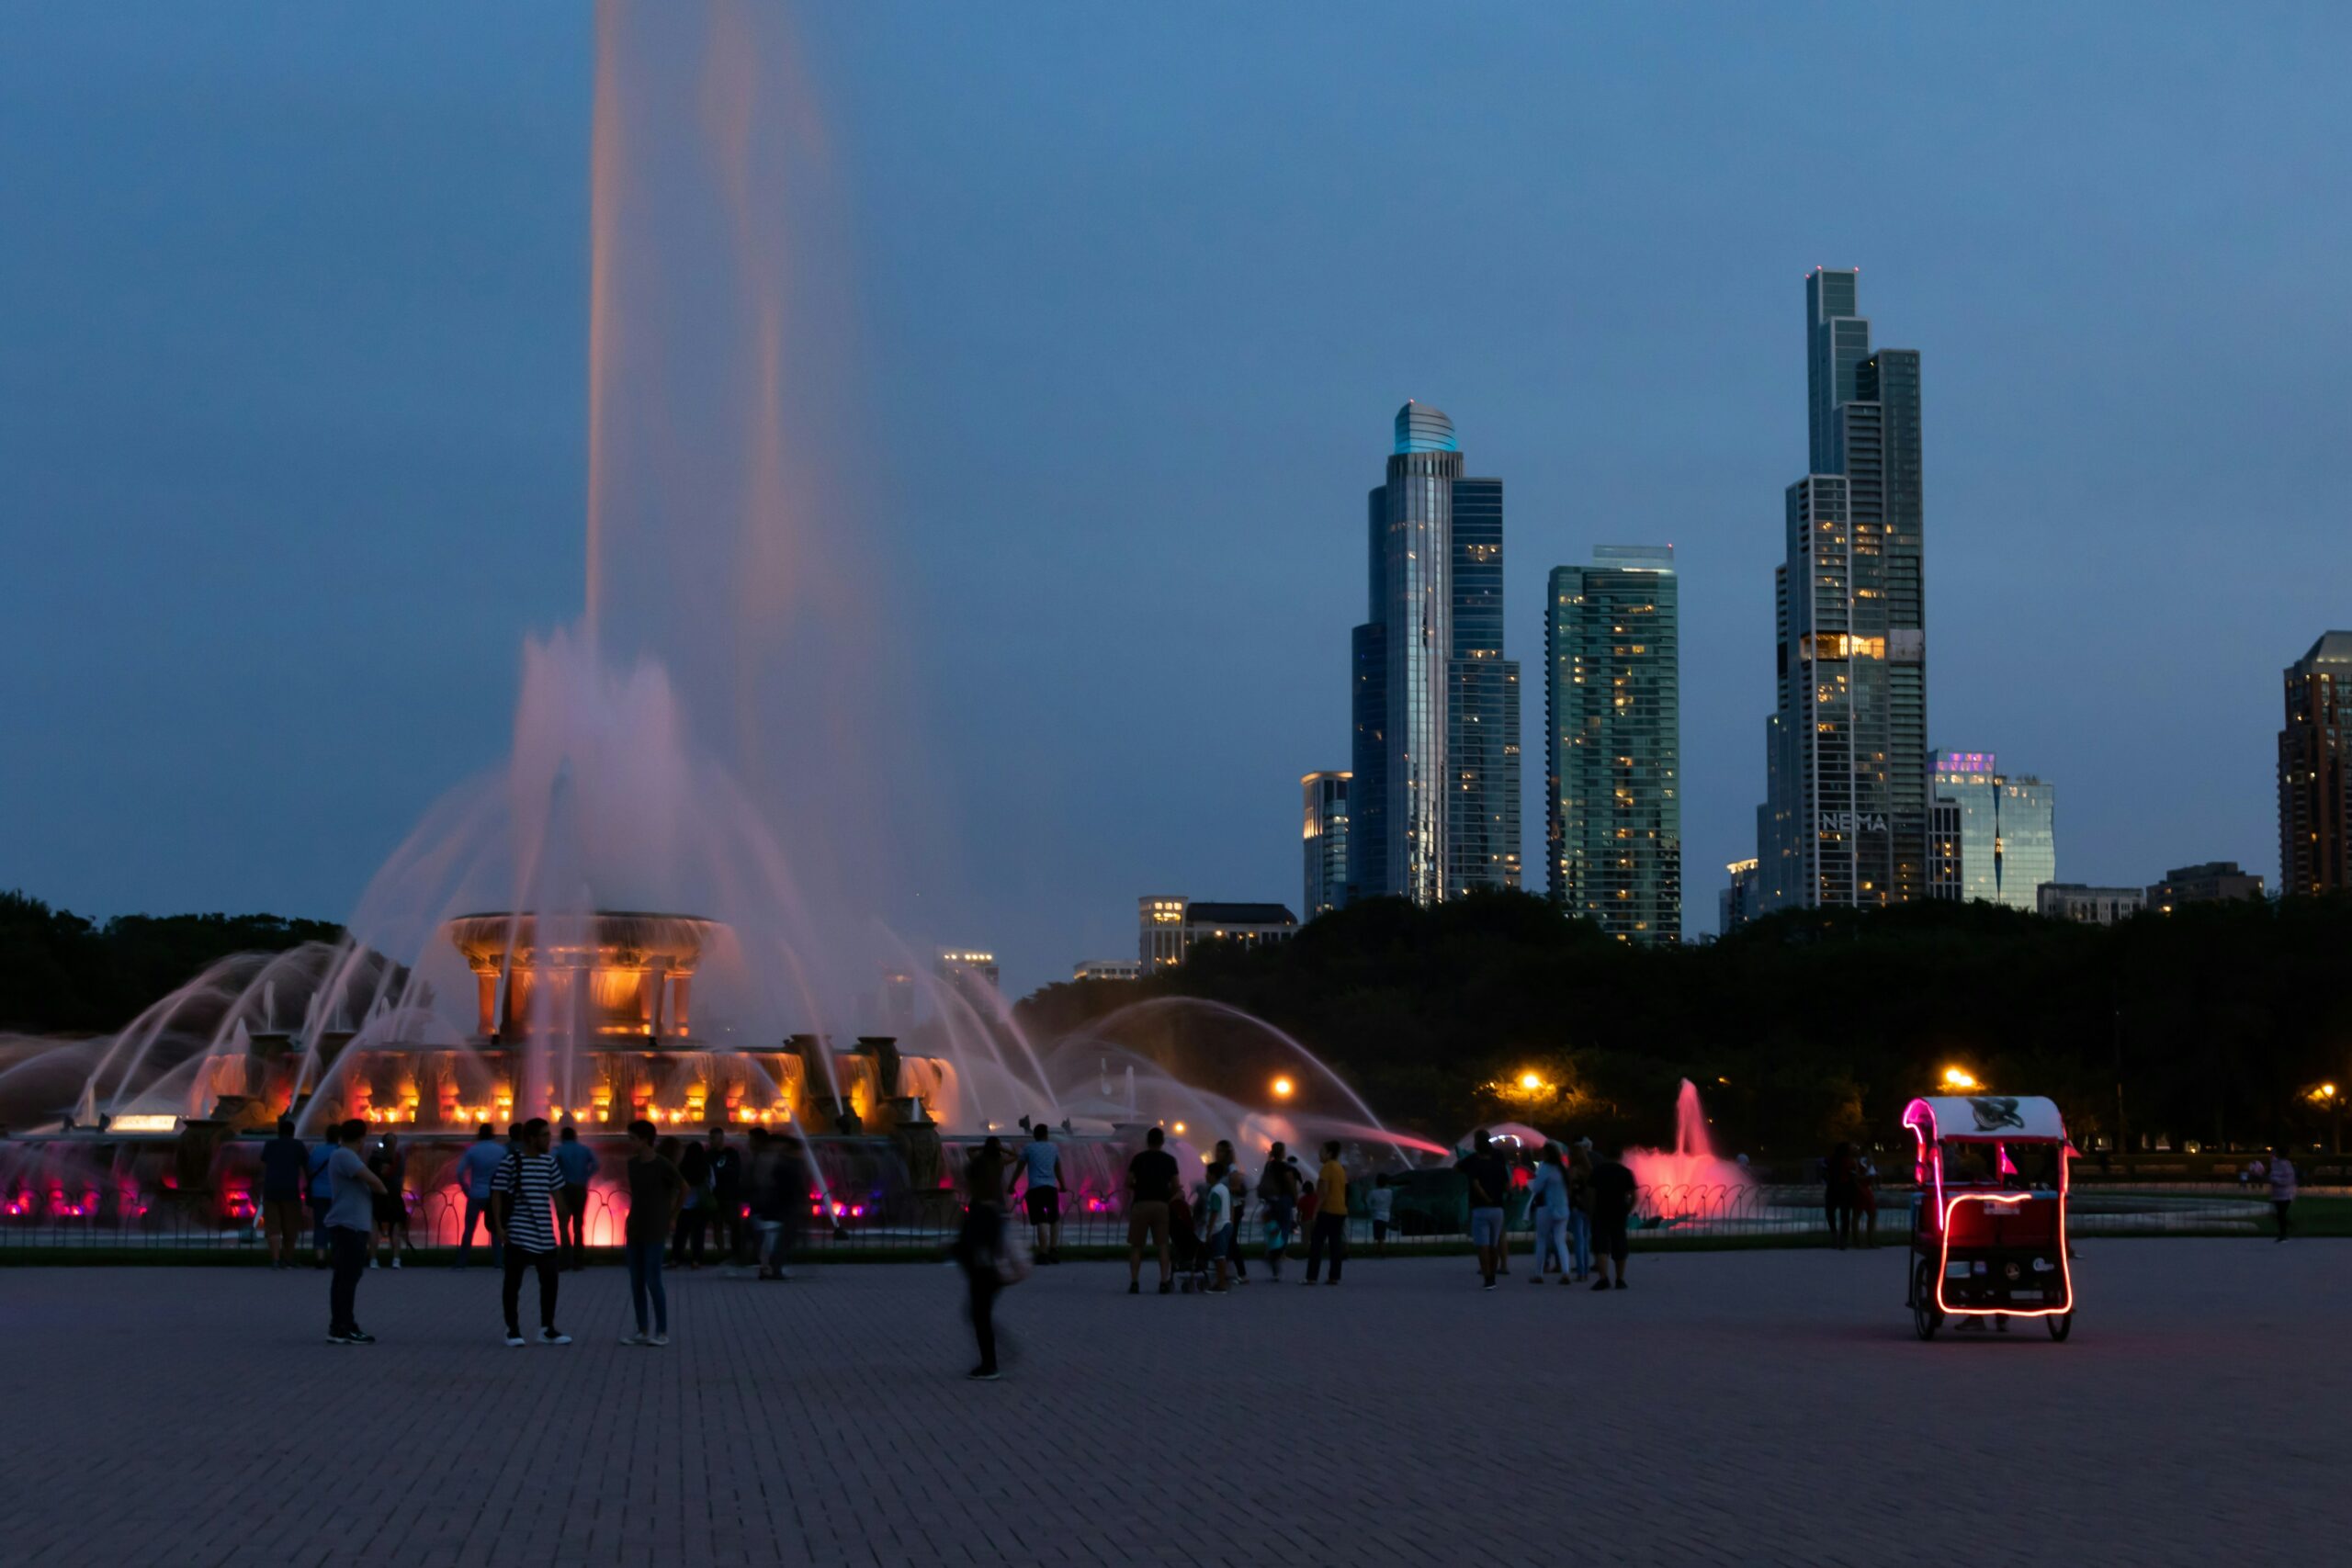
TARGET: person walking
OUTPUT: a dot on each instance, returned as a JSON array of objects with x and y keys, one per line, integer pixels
[
  {"x": 1041, "y": 1166},
  {"x": 475, "y": 1167},
  {"x": 578, "y": 1163},
  {"x": 694, "y": 1220},
  {"x": 284, "y": 1170},
  {"x": 726, "y": 1197},
  {"x": 1547, "y": 1208},
  {"x": 527, "y": 1186},
  {"x": 978, "y": 1251},
  {"x": 391, "y": 1166},
  {"x": 1330, "y": 1231},
  {"x": 1614, "y": 1195},
  {"x": 1278, "y": 1188},
  {"x": 350, "y": 1221},
  {"x": 779, "y": 1197},
  {"x": 1489, "y": 1182},
  {"x": 320, "y": 1188},
  {"x": 1580, "y": 1207},
  {"x": 656, "y": 1192},
  {"x": 1153, "y": 1185},
  {"x": 2282, "y": 1187}
]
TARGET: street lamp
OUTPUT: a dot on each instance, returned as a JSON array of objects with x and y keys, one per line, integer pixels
[
  {"x": 1282, "y": 1087},
  {"x": 1530, "y": 1082},
  {"x": 1960, "y": 1078}
]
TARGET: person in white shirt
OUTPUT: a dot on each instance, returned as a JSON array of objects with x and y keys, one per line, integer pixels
[
  {"x": 2282, "y": 1187},
  {"x": 1384, "y": 1208},
  {"x": 1218, "y": 1227}
]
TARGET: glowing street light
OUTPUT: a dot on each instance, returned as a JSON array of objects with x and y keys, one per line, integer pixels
[
  {"x": 1530, "y": 1082},
  {"x": 1960, "y": 1078},
  {"x": 1282, "y": 1087}
]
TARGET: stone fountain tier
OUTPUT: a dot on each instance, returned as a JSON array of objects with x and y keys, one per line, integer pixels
[{"x": 600, "y": 977}]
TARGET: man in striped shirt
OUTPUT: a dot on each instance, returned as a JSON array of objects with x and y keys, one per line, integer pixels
[{"x": 525, "y": 1190}]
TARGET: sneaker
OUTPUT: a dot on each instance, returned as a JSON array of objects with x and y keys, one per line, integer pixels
[
  {"x": 336, "y": 1337},
  {"x": 984, "y": 1374},
  {"x": 358, "y": 1336},
  {"x": 1216, "y": 1290},
  {"x": 1489, "y": 1285},
  {"x": 515, "y": 1342},
  {"x": 375, "y": 1263},
  {"x": 1600, "y": 1284},
  {"x": 554, "y": 1336},
  {"x": 659, "y": 1340},
  {"x": 396, "y": 1262},
  {"x": 1135, "y": 1287},
  {"x": 1620, "y": 1284},
  {"x": 640, "y": 1337},
  {"x": 1167, "y": 1286},
  {"x": 1333, "y": 1280},
  {"x": 1537, "y": 1280}
]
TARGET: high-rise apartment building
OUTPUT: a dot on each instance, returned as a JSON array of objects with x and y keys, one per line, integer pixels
[
  {"x": 2315, "y": 771},
  {"x": 1735, "y": 904},
  {"x": 1433, "y": 803},
  {"x": 1614, "y": 742},
  {"x": 1170, "y": 927},
  {"x": 1327, "y": 829},
  {"x": 2006, "y": 829},
  {"x": 1847, "y": 815}
]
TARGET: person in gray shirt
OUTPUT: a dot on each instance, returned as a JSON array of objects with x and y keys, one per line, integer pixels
[{"x": 351, "y": 1220}]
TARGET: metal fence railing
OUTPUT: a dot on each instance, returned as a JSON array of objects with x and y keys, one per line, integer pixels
[{"x": 924, "y": 1223}]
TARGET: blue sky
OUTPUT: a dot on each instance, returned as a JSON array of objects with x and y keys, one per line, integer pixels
[{"x": 292, "y": 411}]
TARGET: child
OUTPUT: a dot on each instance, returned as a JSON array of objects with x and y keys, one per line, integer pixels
[
  {"x": 1384, "y": 1203},
  {"x": 1238, "y": 1187},
  {"x": 1217, "y": 1227}
]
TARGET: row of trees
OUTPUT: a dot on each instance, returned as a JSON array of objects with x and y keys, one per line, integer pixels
[
  {"x": 2219, "y": 1020},
  {"x": 60, "y": 973}
]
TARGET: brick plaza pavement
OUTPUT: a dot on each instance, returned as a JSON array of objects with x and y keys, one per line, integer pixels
[{"x": 1737, "y": 1407}]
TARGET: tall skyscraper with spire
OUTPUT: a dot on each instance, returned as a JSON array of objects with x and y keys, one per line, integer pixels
[
  {"x": 1846, "y": 814},
  {"x": 1433, "y": 804}
]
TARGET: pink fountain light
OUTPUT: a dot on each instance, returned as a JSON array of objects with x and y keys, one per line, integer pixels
[{"x": 1693, "y": 1163}]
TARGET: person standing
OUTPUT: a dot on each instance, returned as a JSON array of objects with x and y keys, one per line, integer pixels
[
  {"x": 1837, "y": 1194},
  {"x": 2282, "y": 1187},
  {"x": 1866, "y": 1198},
  {"x": 1580, "y": 1207},
  {"x": 350, "y": 1221},
  {"x": 656, "y": 1192},
  {"x": 1547, "y": 1207},
  {"x": 726, "y": 1196},
  {"x": 694, "y": 1220},
  {"x": 284, "y": 1168},
  {"x": 1489, "y": 1181},
  {"x": 1041, "y": 1166},
  {"x": 390, "y": 1167},
  {"x": 780, "y": 1197},
  {"x": 978, "y": 1244},
  {"x": 578, "y": 1163},
  {"x": 1278, "y": 1188},
  {"x": 1614, "y": 1194},
  {"x": 320, "y": 1190},
  {"x": 1153, "y": 1185},
  {"x": 1330, "y": 1229},
  {"x": 1216, "y": 1224},
  {"x": 527, "y": 1185},
  {"x": 475, "y": 1167},
  {"x": 1239, "y": 1185},
  {"x": 1384, "y": 1210}
]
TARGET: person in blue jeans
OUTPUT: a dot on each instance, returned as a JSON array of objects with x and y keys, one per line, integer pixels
[
  {"x": 475, "y": 1167},
  {"x": 351, "y": 1222},
  {"x": 656, "y": 1193},
  {"x": 321, "y": 1189}
]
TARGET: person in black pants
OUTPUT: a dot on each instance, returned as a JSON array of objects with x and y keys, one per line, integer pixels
[
  {"x": 1329, "y": 1231},
  {"x": 694, "y": 1166},
  {"x": 726, "y": 1197},
  {"x": 350, "y": 1221},
  {"x": 976, "y": 1252}
]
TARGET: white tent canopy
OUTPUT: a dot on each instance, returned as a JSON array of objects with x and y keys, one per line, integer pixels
[{"x": 1987, "y": 1118}]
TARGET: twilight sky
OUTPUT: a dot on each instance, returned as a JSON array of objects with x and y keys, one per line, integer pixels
[{"x": 1118, "y": 304}]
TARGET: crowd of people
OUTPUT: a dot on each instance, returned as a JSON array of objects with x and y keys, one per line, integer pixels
[{"x": 528, "y": 1194}]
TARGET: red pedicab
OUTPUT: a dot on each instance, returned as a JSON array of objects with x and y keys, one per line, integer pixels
[{"x": 1988, "y": 1234}]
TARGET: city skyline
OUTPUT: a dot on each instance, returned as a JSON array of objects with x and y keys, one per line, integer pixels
[{"x": 284, "y": 567}]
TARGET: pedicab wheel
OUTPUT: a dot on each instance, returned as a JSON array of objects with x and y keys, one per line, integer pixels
[
  {"x": 2059, "y": 1324},
  {"x": 1924, "y": 1316}
]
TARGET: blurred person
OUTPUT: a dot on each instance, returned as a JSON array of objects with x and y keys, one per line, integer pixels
[
  {"x": 577, "y": 1162},
  {"x": 319, "y": 1163},
  {"x": 1218, "y": 1227},
  {"x": 1487, "y": 1179},
  {"x": 1384, "y": 1210},
  {"x": 694, "y": 1220},
  {"x": 1278, "y": 1191},
  {"x": 1547, "y": 1209},
  {"x": 391, "y": 1166},
  {"x": 2282, "y": 1187},
  {"x": 285, "y": 1171},
  {"x": 1239, "y": 1186},
  {"x": 1580, "y": 1207},
  {"x": 726, "y": 1196},
  {"x": 527, "y": 1186},
  {"x": 980, "y": 1252},
  {"x": 475, "y": 1168},
  {"x": 1613, "y": 1196}
]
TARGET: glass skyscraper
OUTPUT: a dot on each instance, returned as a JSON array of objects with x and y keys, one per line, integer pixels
[
  {"x": 1434, "y": 799},
  {"x": 2315, "y": 771},
  {"x": 1612, "y": 730},
  {"x": 1325, "y": 842},
  {"x": 2005, "y": 830},
  {"x": 1845, "y": 815}
]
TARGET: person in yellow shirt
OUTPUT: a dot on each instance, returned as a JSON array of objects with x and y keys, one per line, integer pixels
[{"x": 1330, "y": 1217}]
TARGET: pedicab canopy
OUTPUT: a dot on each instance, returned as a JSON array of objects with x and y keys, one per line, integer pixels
[{"x": 1986, "y": 1117}]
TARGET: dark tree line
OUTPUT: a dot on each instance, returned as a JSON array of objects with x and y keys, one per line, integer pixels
[
  {"x": 60, "y": 973},
  {"x": 1799, "y": 1029}
]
